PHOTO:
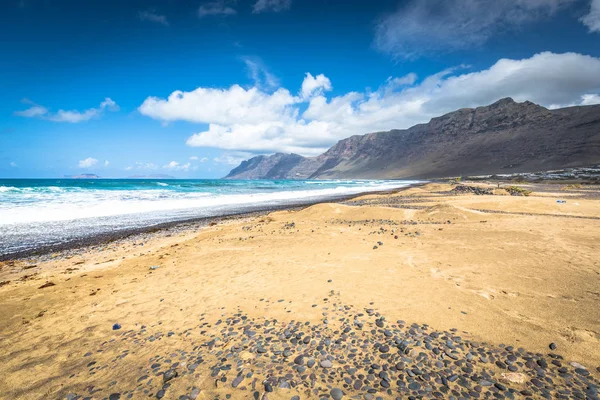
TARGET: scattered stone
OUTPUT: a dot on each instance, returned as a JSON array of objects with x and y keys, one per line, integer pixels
[
  {"x": 359, "y": 354},
  {"x": 336, "y": 394},
  {"x": 47, "y": 284},
  {"x": 514, "y": 377},
  {"x": 465, "y": 189},
  {"x": 237, "y": 380},
  {"x": 577, "y": 365},
  {"x": 268, "y": 387},
  {"x": 169, "y": 375}
]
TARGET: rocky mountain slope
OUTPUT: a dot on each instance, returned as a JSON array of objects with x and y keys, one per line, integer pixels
[{"x": 504, "y": 137}]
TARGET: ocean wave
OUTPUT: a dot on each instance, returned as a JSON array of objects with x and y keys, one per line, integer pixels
[
  {"x": 40, "y": 189},
  {"x": 49, "y": 204}
]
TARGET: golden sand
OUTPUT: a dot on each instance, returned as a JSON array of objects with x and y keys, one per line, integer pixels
[{"x": 505, "y": 278}]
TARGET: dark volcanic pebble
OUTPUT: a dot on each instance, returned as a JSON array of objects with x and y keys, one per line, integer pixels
[
  {"x": 336, "y": 394},
  {"x": 168, "y": 375},
  {"x": 237, "y": 380},
  {"x": 350, "y": 353}
]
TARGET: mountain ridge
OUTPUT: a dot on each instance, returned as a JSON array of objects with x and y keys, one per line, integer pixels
[{"x": 503, "y": 137}]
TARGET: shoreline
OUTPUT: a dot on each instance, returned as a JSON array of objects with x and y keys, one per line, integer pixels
[{"x": 186, "y": 224}]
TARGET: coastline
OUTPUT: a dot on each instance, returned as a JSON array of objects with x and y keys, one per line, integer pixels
[
  {"x": 428, "y": 279},
  {"x": 185, "y": 224}
]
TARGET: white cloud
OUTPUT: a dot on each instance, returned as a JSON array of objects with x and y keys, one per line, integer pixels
[
  {"x": 153, "y": 17},
  {"x": 106, "y": 163},
  {"x": 271, "y": 5},
  {"x": 592, "y": 19},
  {"x": 72, "y": 116},
  {"x": 203, "y": 159},
  {"x": 33, "y": 111},
  {"x": 590, "y": 99},
  {"x": 233, "y": 158},
  {"x": 421, "y": 27},
  {"x": 259, "y": 73},
  {"x": 220, "y": 106},
  {"x": 218, "y": 7},
  {"x": 141, "y": 166},
  {"x": 585, "y": 100},
  {"x": 88, "y": 162},
  {"x": 13, "y": 164},
  {"x": 194, "y": 158},
  {"x": 175, "y": 166},
  {"x": 255, "y": 121},
  {"x": 314, "y": 85}
]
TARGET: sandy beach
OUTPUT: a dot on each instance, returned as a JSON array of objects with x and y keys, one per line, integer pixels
[{"x": 350, "y": 296}]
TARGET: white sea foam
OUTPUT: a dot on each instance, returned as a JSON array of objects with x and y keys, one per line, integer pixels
[
  {"x": 59, "y": 205},
  {"x": 35, "y": 216}
]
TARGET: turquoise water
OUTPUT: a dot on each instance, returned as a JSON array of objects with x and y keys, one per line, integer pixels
[{"x": 38, "y": 212}]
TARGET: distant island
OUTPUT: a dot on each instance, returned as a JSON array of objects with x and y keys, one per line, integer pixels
[
  {"x": 83, "y": 176},
  {"x": 157, "y": 176}
]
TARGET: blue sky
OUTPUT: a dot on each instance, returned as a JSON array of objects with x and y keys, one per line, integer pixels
[{"x": 190, "y": 88}]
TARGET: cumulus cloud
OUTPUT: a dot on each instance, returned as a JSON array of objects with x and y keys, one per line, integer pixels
[
  {"x": 106, "y": 163},
  {"x": 220, "y": 106},
  {"x": 175, "y": 166},
  {"x": 312, "y": 85},
  {"x": 271, "y": 5},
  {"x": 590, "y": 99},
  {"x": 141, "y": 166},
  {"x": 152, "y": 16},
  {"x": 72, "y": 116},
  {"x": 218, "y": 7},
  {"x": 194, "y": 158},
  {"x": 255, "y": 121},
  {"x": 88, "y": 162},
  {"x": 259, "y": 73},
  {"x": 204, "y": 159},
  {"x": 421, "y": 27},
  {"x": 592, "y": 19},
  {"x": 585, "y": 100}
]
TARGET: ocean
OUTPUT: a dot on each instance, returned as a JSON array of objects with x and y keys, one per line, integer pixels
[{"x": 35, "y": 213}]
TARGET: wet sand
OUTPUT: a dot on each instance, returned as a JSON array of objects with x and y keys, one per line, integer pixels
[{"x": 471, "y": 286}]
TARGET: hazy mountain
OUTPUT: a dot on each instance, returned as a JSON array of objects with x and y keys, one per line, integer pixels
[
  {"x": 83, "y": 176},
  {"x": 504, "y": 137}
]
